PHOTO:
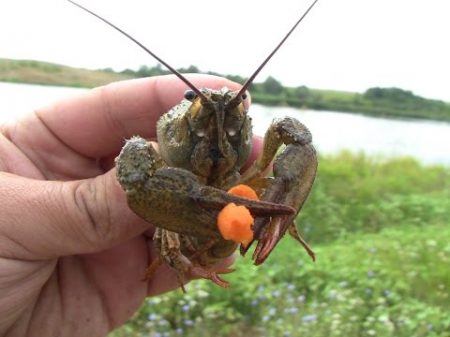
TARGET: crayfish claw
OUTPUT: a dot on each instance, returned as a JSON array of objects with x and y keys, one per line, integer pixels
[
  {"x": 268, "y": 241},
  {"x": 213, "y": 198}
]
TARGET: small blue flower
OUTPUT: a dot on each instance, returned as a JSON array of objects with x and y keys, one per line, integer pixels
[
  {"x": 309, "y": 318},
  {"x": 152, "y": 317},
  {"x": 290, "y": 286},
  {"x": 370, "y": 274},
  {"x": 265, "y": 318},
  {"x": 185, "y": 308},
  {"x": 254, "y": 303},
  {"x": 179, "y": 331},
  {"x": 291, "y": 310},
  {"x": 276, "y": 293},
  {"x": 301, "y": 298},
  {"x": 188, "y": 322}
]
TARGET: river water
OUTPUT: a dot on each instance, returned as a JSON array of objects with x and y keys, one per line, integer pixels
[{"x": 428, "y": 141}]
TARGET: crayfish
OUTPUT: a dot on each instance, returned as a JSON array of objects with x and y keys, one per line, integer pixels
[{"x": 204, "y": 142}]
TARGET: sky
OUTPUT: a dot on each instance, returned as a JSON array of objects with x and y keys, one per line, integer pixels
[{"x": 347, "y": 45}]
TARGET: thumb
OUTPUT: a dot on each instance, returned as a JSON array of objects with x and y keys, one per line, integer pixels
[{"x": 47, "y": 219}]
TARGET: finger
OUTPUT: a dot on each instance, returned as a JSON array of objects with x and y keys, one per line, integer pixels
[
  {"x": 47, "y": 219},
  {"x": 257, "y": 146},
  {"x": 103, "y": 117}
]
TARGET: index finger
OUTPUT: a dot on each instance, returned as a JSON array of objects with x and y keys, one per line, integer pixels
[{"x": 95, "y": 123}]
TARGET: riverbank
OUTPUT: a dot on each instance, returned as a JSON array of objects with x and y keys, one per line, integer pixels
[
  {"x": 45, "y": 73},
  {"x": 380, "y": 102}
]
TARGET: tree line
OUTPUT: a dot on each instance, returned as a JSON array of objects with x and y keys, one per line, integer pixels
[{"x": 375, "y": 101}]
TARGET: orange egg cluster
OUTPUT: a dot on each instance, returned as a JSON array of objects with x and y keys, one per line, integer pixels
[
  {"x": 234, "y": 221},
  {"x": 243, "y": 191}
]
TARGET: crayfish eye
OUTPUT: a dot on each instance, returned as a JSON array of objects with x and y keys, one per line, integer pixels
[
  {"x": 189, "y": 95},
  {"x": 244, "y": 96}
]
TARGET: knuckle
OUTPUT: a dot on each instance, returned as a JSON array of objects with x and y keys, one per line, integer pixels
[{"x": 94, "y": 212}]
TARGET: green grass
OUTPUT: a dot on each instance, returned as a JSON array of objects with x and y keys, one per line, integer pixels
[
  {"x": 381, "y": 233},
  {"x": 44, "y": 73},
  {"x": 395, "y": 283},
  {"x": 354, "y": 193}
]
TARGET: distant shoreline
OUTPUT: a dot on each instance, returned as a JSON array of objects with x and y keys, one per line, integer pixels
[{"x": 378, "y": 102}]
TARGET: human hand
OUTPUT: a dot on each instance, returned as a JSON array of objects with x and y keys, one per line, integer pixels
[{"x": 72, "y": 254}]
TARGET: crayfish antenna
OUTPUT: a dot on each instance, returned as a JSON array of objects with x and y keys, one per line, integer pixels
[
  {"x": 160, "y": 60},
  {"x": 261, "y": 66}
]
